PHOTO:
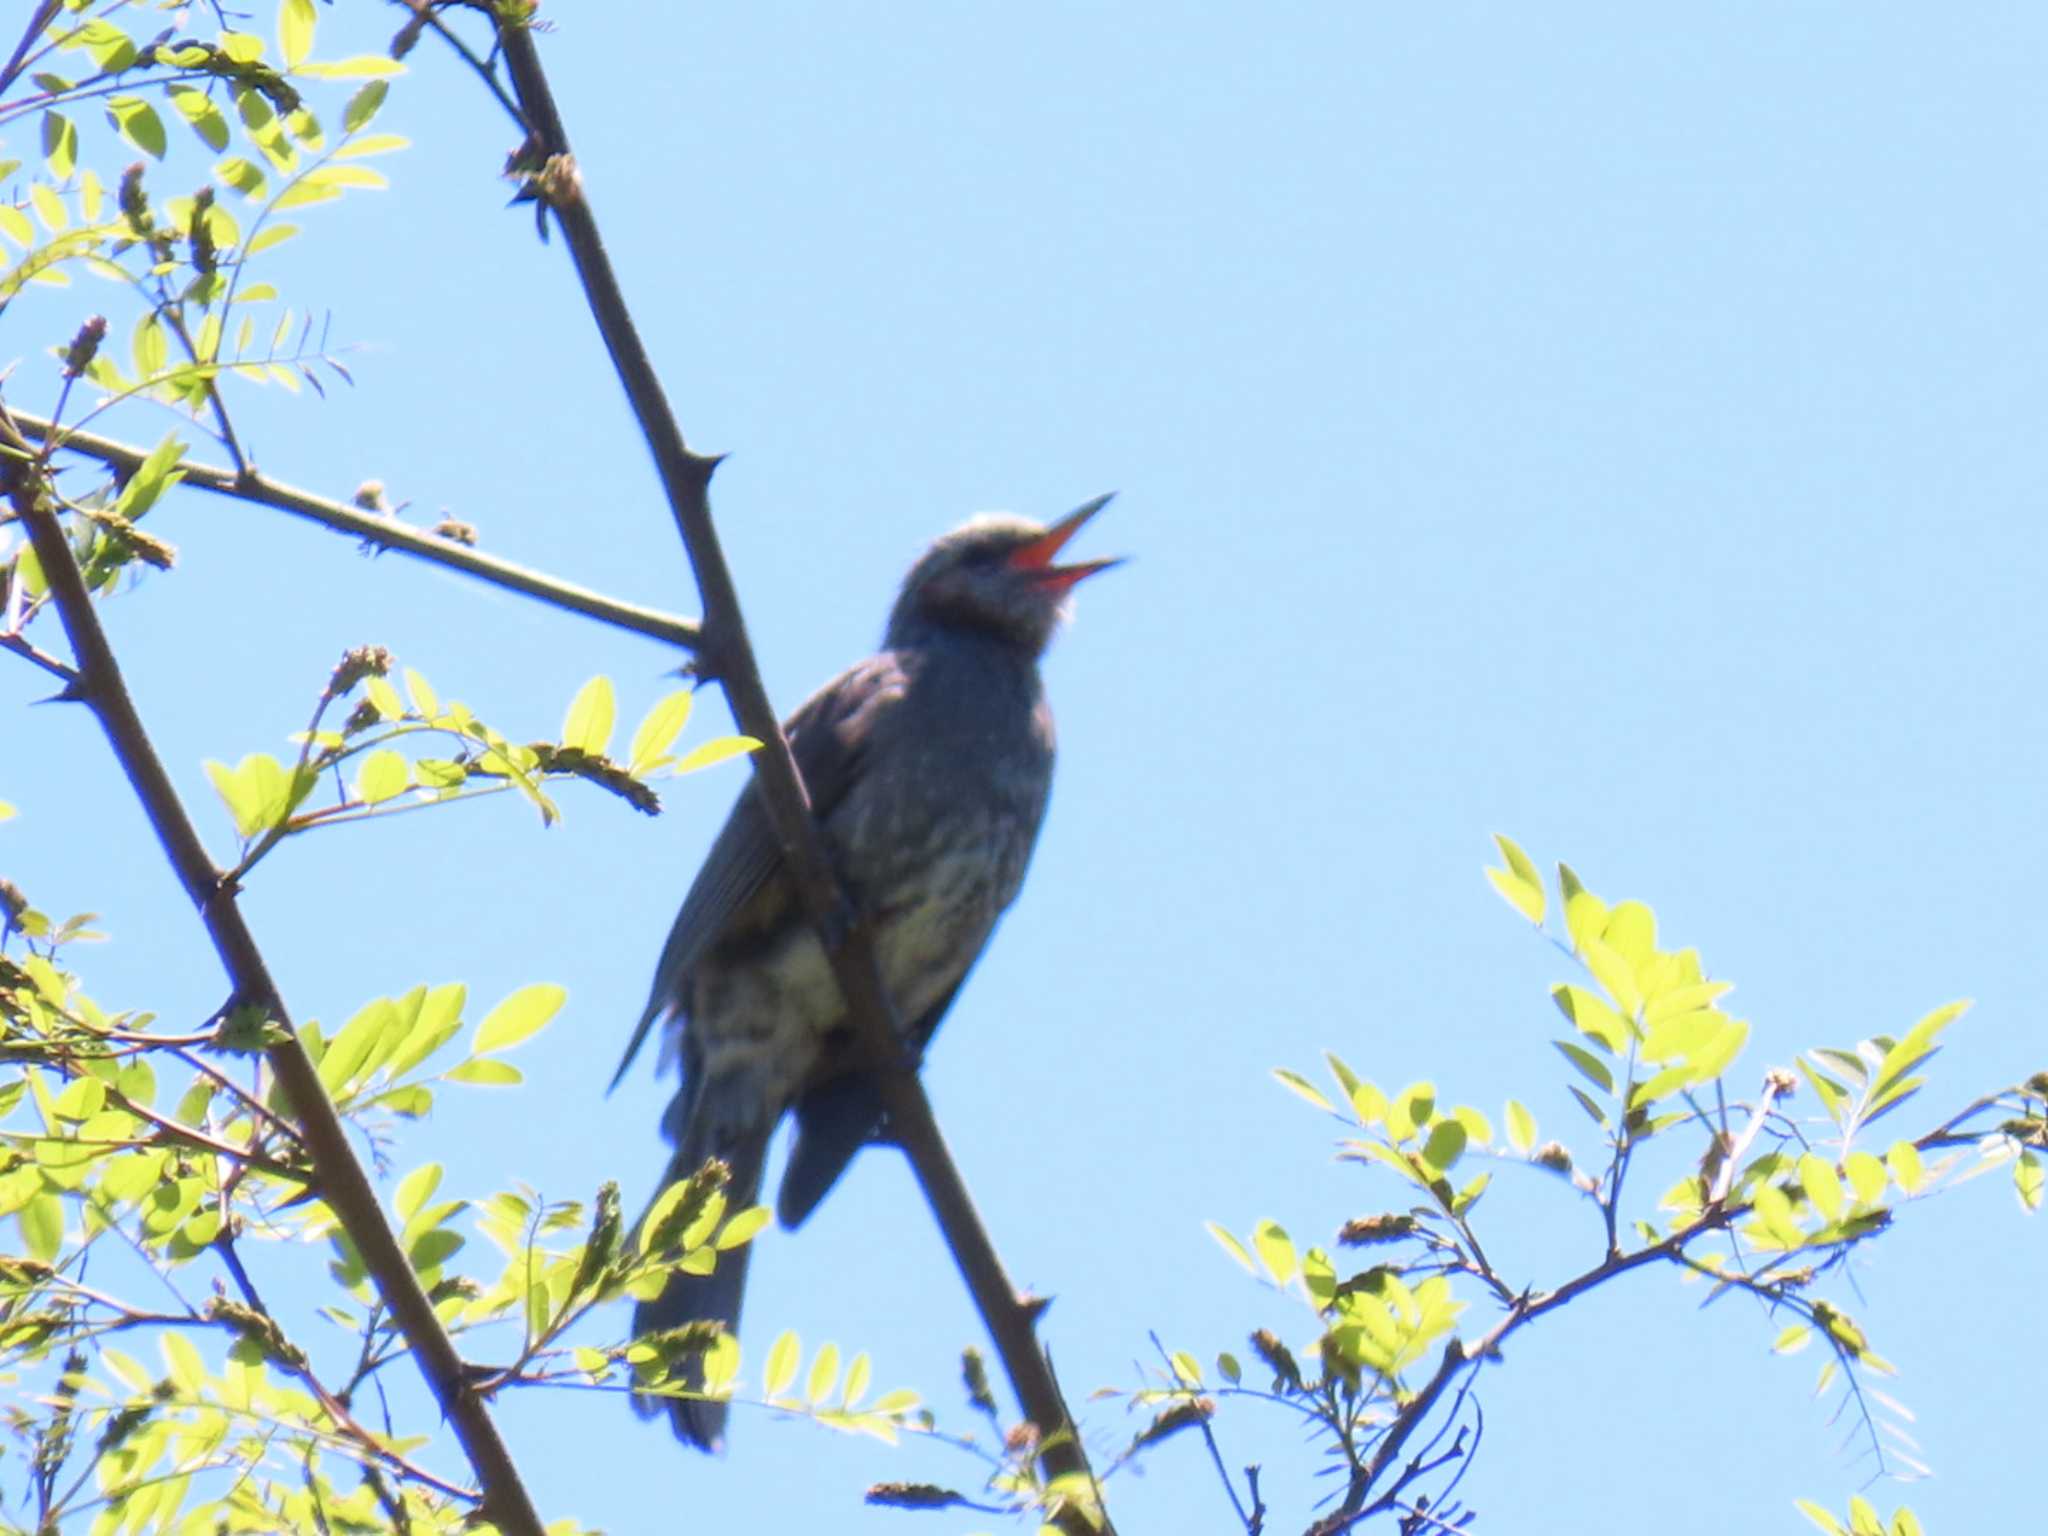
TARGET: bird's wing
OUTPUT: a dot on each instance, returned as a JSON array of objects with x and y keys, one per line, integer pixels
[{"x": 827, "y": 735}]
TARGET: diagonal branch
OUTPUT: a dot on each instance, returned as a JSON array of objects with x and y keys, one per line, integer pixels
[
  {"x": 383, "y": 531},
  {"x": 342, "y": 1182},
  {"x": 726, "y": 653}
]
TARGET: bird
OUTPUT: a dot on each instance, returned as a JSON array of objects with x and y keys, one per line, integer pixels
[{"x": 928, "y": 767}]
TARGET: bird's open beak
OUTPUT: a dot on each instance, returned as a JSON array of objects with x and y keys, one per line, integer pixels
[{"x": 1036, "y": 558}]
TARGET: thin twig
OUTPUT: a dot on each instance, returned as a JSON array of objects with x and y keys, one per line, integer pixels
[
  {"x": 50, "y": 664},
  {"x": 727, "y": 654},
  {"x": 385, "y": 532},
  {"x": 1215, "y": 1452},
  {"x": 342, "y": 1182}
]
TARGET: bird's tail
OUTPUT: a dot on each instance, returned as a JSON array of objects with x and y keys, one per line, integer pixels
[{"x": 700, "y": 1132}]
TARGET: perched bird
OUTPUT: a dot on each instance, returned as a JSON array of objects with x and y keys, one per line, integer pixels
[{"x": 928, "y": 766}]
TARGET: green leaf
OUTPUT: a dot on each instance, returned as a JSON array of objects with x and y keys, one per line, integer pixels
[
  {"x": 347, "y": 1052},
  {"x": 370, "y": 144},
  {"x": 780, "y": 1368},
  {"x": 486, "y": 1072},
  {"x": 60, "y": 145},
  {"x": 187, "y": 1370},
  {"x": 430, "y": 1250},
  {"x": 269, "y": 235},
  {"x": 1232, "y": 1247},
  {"x": 1445, "y": 1146},
  {"x": 1792, "y": 1340},
  {"x": 112, "y": 49},
  {"x": 523, "y": 1014},
  {"x": 824, "y": 1374},
  {"x": 1521, "y": 1127},
  {"x": 1617, "y": 978},
  {"x": 1590, "y": 1014},
  {"x": 1890, "y": 1084},
  {"x": 440, "y": 1016},
  {"x": 136, "y": 121},
  {"x": 1411, "y": 1110},
  {"x": 415, "y": 1189},
  {"x": 1295, "y": 1082},
  {"x": 657, "y": 732},
  {"x": 295, "y": 20},
  {"x": 383, "y": 698},
  {"x": 42, "y": 1225},
  {"x": 1519, "y": 884},
  {"x": 1866, "y": 1175},
  {"x": 1276, "y": 1251},
  {"x": 1594, "y": 1069},
  {"x": 1820, "y": 1517},
  {"x": 1369, "y": 1104},
  {"x": 356, "y": 67},
  {"x": 363, "y": 106},
  {"x": 81, "y": 1100},
  {"x": 49, "y": 208},
  {"x": 200, "y": 110},
  {"x": 425, "y": 702},
  {"x": 739, "y": 1230},
  {"x": 2027, "y": 1181},
  {"x": 247, "y": 178},
  {"x": 156, "y": 474},
  {"x": 714, "y": 752},
  {"x": 588, "y": 725},
  {"x": 1907, "y": 1170},
  {"x": 858, "y": 1373},
  {"x": 385, "y": 773},
  {"x": 1823, "y": 1186}
]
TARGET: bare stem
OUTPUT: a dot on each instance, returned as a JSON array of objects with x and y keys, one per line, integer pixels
[{"x": 385, "y": 532}]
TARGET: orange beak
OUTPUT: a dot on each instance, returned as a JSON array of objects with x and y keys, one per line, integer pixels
[{"x": 1036, "y": 558}]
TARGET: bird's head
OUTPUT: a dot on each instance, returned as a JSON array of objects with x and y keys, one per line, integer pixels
[{"x": 995, "y": 574}]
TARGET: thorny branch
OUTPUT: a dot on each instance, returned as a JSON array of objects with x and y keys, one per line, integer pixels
[{"x": 726, "y": 653}]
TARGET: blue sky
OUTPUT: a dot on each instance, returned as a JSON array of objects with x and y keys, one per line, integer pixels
[{"x": 1613, "y": 426}]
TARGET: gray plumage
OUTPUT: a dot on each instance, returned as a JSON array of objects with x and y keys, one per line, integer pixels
[{"x": 928, "y": 767}]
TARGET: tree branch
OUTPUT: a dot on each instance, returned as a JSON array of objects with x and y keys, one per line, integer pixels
[
  {"x": 383, "y": 531},
  {"x": 41, "y": 18},
  {"x": 343, "y": 1184},
  {"x": 727, "y": 654}
]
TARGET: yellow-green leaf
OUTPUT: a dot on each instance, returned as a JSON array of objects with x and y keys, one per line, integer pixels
[
  {"x": 295, "y": 21},
  {"x": 1232, "y": 1246},
  {"x": 657, "y": 732},
  {"x": 780, "y": 1368},
  {"x": 1276, "y": 1251},
  {"x": 1906, "y": 1168},
  {"x": 520, "y": 1016},
  {"x": 1525, "y": 896},
  {"x": 1521, "y": 1127},
  {"x": 49, "y": 208},
  {"x": 588, "y": 725},
  {"x": 1296, "y": 1083},
  {"x": 385, "y": 773},
  {"x": 1823, "y": 1518},
  {"x": 824, "y": 1374},
  {"x": 1823, "y": 1186},
  {"x": 714, "y": 752}
]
